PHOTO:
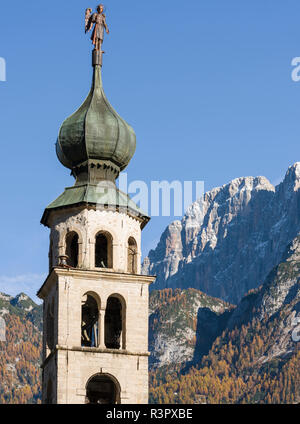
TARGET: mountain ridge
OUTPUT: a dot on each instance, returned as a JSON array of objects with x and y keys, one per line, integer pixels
[{"x": 239, "y": 229}]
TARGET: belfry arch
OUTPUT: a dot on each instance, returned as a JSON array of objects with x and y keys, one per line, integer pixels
[
  {"x": 115, "y": 323},
  {"x": 90, "y": 326}
]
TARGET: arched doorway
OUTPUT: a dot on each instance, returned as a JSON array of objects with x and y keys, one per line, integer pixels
[{"x": 102, "y": 389}]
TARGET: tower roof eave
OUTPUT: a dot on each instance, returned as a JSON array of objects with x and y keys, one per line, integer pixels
[{"x": 91, "y": 195}]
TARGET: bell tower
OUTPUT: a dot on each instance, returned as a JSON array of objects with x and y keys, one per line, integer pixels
[{"x": 95, "y": 336}]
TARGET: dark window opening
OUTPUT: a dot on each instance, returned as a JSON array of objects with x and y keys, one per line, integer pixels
[
  {"x": 101, "y": 390},
  {"x": 132, "y": 256},
  {"x": 89, "y": 322},
  {"x": 72, "y": 249},
  {"x": 113, "y": 323},
  {"x": 103, "y": 251}
]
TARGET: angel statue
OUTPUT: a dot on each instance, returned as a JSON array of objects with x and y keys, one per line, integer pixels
[{"x": 99, "y": 19}]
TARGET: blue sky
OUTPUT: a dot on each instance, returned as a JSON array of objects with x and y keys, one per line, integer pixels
[{"x": 206, "y": 85}]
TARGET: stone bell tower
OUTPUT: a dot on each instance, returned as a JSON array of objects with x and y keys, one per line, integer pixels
[{"x": 95, "y": 337}]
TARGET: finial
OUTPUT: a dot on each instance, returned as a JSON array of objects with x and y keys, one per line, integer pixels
[
  {"x": 98, "y": 20},
  {"x": 63, "y": 261}
]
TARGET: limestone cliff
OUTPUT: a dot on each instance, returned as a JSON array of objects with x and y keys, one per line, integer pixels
[
  {"x": 230, "y": 239},
  {"x": 183, "y": 325}
]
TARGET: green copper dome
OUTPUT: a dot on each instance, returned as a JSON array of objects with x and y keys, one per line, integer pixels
[{"x": 95, "y": 132}]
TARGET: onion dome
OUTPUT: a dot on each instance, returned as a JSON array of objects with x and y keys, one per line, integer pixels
[
  {"x": 95, "y": 132},
  {"x": 96, "y": 144}
]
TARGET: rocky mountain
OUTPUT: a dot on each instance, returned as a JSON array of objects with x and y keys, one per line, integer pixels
[
  {"x": 20, "y": 353},
  {"x": 278, "y": 299},
  {"x": 183, "y": 325},
  {"x": 257, "y": 357},
  {"x": 230, "y": 239}
]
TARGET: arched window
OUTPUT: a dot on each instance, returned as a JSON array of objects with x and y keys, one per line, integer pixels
[
  {"x": 72, "y": 249},
  {"x": 103, "y": 390},
  {"x": 89, "y": 322},
  {"x": 114, "y": 324},
  {"x": 132, "y": 256},
  {"x": 103, "y": 251}
]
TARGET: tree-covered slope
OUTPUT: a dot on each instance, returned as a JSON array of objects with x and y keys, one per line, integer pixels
[
  {"x": 257, "y": 357},
  {"x": 21, "y": 352}
]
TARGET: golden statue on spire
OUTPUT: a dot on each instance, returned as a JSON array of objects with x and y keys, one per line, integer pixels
[{"x": 98, "y": 20}]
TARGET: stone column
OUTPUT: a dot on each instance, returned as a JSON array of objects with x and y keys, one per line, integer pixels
[
  {"x": 102, "y": 329},
  {"x": 91, "y": 255}
]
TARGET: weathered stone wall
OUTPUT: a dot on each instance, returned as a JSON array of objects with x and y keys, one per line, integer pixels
[
  {"x": 64, "y": 291},
  {"x": 87, "y": 223},
  {"x": 74, "y": 284},
  {"x": 76, "y": 368},
  {"x": 77, "y": 364}
]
